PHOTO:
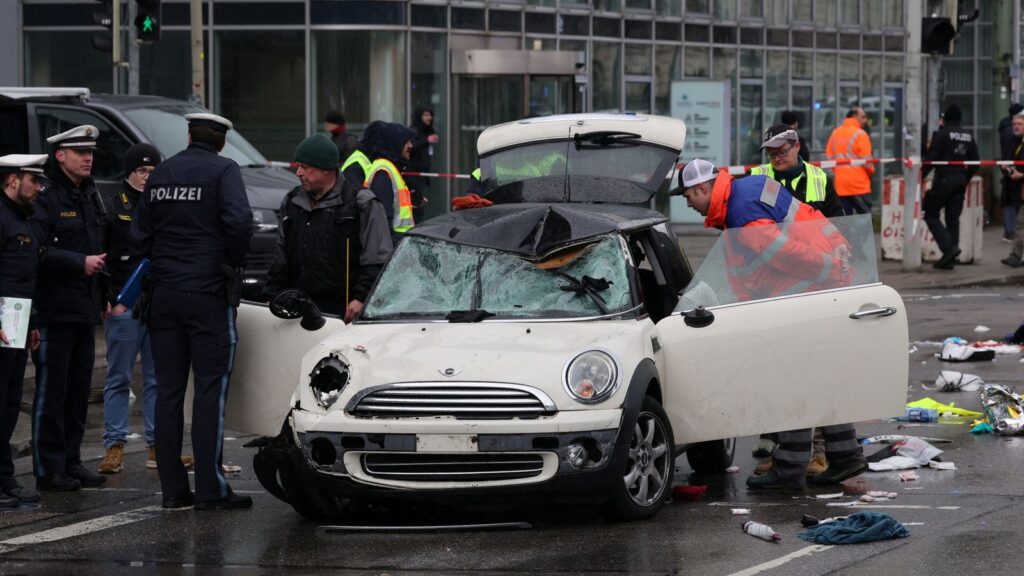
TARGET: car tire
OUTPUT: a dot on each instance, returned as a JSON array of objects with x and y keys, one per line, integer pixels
[
  {"x": 711, "y": 457},
  {"x": 650, "y": 463}
]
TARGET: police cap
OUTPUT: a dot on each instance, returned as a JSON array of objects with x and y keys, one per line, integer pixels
[
  {"x": 14, "y": 163},
  {"x": 81, "y": 137},
  {"x": 211, "y": 121}
]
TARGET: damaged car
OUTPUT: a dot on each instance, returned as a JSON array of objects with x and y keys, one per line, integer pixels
[{"x": 558, "y": 342}]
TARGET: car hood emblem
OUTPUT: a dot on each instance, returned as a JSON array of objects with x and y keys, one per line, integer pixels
[{"x": 449, "y": 372}]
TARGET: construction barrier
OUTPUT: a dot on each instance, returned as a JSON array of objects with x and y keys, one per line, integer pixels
[{"x": 972, "y": 222}]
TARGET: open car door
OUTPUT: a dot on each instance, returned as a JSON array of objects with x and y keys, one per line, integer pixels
[
  {"x": 775, "y": 347},
  {"x": 267, "y": 362}
]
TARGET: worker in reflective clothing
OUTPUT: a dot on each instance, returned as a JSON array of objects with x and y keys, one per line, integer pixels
[
  {"x": 849, "y": 141},
  {"x": 69, "y": 301},
  {"x": 389, "y": 145},
  {"x": 20, "y": 251},
  {"x": 355, "y": 168},
  {"x": 784, "y": 247},
  {"x": 806, "y": 182},
  {"x": 194, "y": 224}
]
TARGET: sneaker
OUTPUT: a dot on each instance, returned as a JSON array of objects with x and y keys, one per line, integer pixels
[
  {"x": 772, "y": 481},
  {"x": 58, "y": 483},
  {"x": 837, "y": 472},
  {"x": 1011, "y": 262},
  {"x": 231, "y": 502},
  {"x": 763, "y": 466},
  {"x": 113, "y": 462},
  {"x": 764, "y": 448},
  {"x": 8, "y": 501},
  {"x": 22, "y": 493},
  {"x": 186, "y": 461},
  {"x": 1007, "y": 239},
  {"x": 818, "y": 465},
  {"x": 88, "y": 478}
]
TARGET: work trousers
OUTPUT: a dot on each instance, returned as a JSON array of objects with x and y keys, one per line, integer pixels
[
  {"x": 12, "y": 380},
  {"x": 794, "y": 450},
  {"x": 946, "y": 195},
  {"x": 859, "y": 204},
  {"x": 191, "y": 331},
  {"x": 1018, "y": 237},
  {"x": 64, "y": 363}
]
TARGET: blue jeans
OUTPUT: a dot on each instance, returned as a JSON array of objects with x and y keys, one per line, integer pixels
[
  {"x": 126, "y": 337},
  {"x": 1010, "y": 221}
]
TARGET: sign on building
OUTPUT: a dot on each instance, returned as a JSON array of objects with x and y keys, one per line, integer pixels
[{"x": 705, "y": 106}]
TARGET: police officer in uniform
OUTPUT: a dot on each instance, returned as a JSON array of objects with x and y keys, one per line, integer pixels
[
  {"x": 194, "y": 223},
  {"x": 333, "y": 239},
  {"x": 20, "y": 252},
  {"x": 951, "y": 142},
  {"x": 69, "y": 299}
]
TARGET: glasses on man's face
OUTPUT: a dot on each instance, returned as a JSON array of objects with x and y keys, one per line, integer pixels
[
  {"x": 779, "y": 152},
  {"x": 143, "y": 170}
]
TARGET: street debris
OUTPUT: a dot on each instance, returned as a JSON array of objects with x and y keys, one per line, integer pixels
[
  {"x": 829, "y": 496},
  {"x": 957, "y": 352},
  {"x": 855, "y": 529},
  {"x": 909, "y": 476},
  {"x": 881, "y": 494},
  {"x": 953, "y": 381},
  {"x": 808, "y": 521},
  {"x": 894, "y": 463},
  {"x": 942, "y": 465},
  {"x": 980, "y": 328},
  {"x": 691, "y": 493},
  {"x": 950, "y": 408},
  {"x": 1004, "y": 409},
  {"x": 981, "y": 427},
  {"x": 891, "y": 438},
  {"x": 740, "y": 511},
  {"x": 762, "y": 531},
  {"x": 732, "y": 469}
]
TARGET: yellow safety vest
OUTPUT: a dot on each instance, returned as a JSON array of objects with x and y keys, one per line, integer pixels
[
  {"x": 402, "y": 220},
  {"x": 357, "y": 157},
  {"x": 817, "y": 180}
]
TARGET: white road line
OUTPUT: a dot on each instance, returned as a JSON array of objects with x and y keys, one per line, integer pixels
[
  {"x": 82, "y": 528},
  {"x": 780, "y": 561}
]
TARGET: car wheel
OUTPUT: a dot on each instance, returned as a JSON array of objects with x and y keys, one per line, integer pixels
[
  {"x": 647, "y": 477},
  {"x": 711, "y": 457}
]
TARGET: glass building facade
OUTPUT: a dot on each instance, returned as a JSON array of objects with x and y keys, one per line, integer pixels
[{"x": 275, "y": 66}]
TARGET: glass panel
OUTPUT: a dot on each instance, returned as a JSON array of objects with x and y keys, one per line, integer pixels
[
  {"x": 697, "y": 62},
  {"x": 777, "y": 86},
  {"x": 66, "y": 59},
  {"x": 849, "y": 96},
  {"x": 542, "y": 2},
  {"x": 483, "y": 102},
  {"x": 266, "y": 102},
  {"x": 894, "y": 69},
  {"x": 849, "y": 12},
  {"x": 108, "y": 161},
  {"x": 873, "y": 15},
  {"x": 959, "y": 75},
  {"x": 428, "y": 58},
  {"x": 361, "y": 73},
  {"x": 984, "y": 40},
  {"x": 166, "y": 128},
  {"x": 802, "y": 62},
  {"x": 803, "y": 107},
  {"x": 964, "y": 45},
  {"x": 825, "y": 99},
  {"x": 666, "y": 69},
  {"x": 849, "y": 67},
  {"x": 668, "y": 7},
  {"x": 724, "y": 64},
  {"x": 549, "y": 95},
  {"x": 752, "y": 9},
  {"x": 541, "y": 43},
  {"x": 165, "y": 67},
  {"x": 751, "y": 63},
  {"x": 825, "y": 13},
  {"x": 638, "y": 59},
  {"x": 870, "y": 101},
  {"x": 638, "y": 97},
  {"x": 697, "y": 6},
  {"x": 751, "y": 123},
  {"x": 802, "y": 10},
  {"x": 776, "y": 11},
  {"x": 894, "y": 13},
  {"x": 725, "y": 9},
  {"x": 638, "y": 4},
  {"x": 606, "y": 77},
  {"x": 893, "y": 140},
  {"x": 608, "y": 5}
]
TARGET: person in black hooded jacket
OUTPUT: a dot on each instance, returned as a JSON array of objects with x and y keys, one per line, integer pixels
[
  {"x": 390, "y": 143},
  {"x": 951, "y": 142},
  {"x": 420, "y": 157}
]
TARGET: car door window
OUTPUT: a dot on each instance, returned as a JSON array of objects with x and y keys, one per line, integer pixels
[
  {"x": 776, "y": 260},
  {"x": 108, "y": 162}
]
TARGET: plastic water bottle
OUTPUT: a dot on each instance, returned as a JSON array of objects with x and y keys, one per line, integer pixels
[
  {"x": 921, "y": 415},
  {"x": 762, "y": 531}
]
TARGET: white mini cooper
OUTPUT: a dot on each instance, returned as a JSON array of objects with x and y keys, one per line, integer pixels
[{"x": 558, "y": 342}]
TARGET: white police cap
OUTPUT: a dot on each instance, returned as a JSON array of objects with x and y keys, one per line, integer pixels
[
  {"x": 697, "y": 171},
  {"x": 202, "y": 119},
  {"x": 22, "y": 163},
  {"x": 83, "y": 136}
]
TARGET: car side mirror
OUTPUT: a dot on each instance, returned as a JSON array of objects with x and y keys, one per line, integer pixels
[
  {"x": 291, "y": 304},
  {"x": 699, "y": 317}
]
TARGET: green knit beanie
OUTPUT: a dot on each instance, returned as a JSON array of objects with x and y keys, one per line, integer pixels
[{"x": 318, "y": 151}]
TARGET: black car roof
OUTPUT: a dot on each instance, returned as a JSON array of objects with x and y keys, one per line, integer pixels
[
  {"x": 125, "y": 101},
  {"x": 535, "y": 230}
]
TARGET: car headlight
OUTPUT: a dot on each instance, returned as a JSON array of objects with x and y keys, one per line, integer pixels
[
  {"x": 264, "y": 220},
  {"x": 327, "y": 379},
  {"x": 591, "y": 377}
]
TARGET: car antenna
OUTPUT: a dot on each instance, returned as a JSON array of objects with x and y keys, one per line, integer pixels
[{"x": 566, "y": 190}]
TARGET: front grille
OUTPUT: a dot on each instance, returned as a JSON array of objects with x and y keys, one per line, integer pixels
[
  {"x": 419, "y": 467},
  {"x": 468, "y": 400}
]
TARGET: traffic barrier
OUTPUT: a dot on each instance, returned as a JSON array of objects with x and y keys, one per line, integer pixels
[{"x": 972, "y": 221}]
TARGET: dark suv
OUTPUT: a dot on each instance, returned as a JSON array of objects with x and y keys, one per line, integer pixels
[{"x": 30, "y": 115}]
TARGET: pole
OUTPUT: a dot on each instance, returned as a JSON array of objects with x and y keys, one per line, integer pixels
[
  {"x": 133, "y": 50},
  {"x": 1002, "y": 57},
  {"x": 914, "y": 120},
  {"x": 198, "y": 80},
  {"x": 115, "y": 41}
]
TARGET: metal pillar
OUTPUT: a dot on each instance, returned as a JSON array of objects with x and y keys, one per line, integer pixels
[
  {"x": 914, "y": 119},
  {"x": 198, "y": 81},
  {"x": 133, "y": 50},
  {"x": 1002, "y": 57}
]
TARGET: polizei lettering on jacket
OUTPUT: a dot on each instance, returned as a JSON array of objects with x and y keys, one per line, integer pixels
[{"x": 176, "y": 194}]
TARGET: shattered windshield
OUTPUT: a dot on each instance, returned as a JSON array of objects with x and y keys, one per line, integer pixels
[
  {"x": 759, "y": 262},
  {"x": 602, "y": 167},
  {"x": 429, "y": 279}
]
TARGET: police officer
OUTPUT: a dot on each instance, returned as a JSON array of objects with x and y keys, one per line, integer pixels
[
  {"x": 333, "y": 239},
  {"x": 19, "y": 257},
  {"x": 951, "y": 142},
  {"x": 69, "y": 297},
  {"x": 194, "y": 223}
]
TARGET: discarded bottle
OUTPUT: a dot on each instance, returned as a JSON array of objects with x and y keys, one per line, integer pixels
[
  {"x": 920, "y": 415},
  {"x": 762, "y": 531}
]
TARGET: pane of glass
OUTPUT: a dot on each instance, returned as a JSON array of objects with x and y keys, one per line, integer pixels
[
  {"x": 608, "y": 5},
  {"x": 606, "y": 77},
  {"x": 666, "y": 69},
  {"x": 542, "y": 2},
  {"x": 751, "y": 123},
  {"x": 894, "y": 13},
  {"x": 825, "y": 99},
  {"x": 849, "y": 96},
  {"x": 428, "y": 58},
  {"x": 894, "y": 69},
  {"x": 871, "y": 101},
  {"x": 803, "y": 106},
  {"x": 873, "y": 15},
  {"x": 893, "y": 138},
  {"x": 697, "y": 6},
  {"x": 849, "y": 12},
  {"x": 776, "y": 11},
  {"x": 725, "y": 9},
  {"x": 541, "y": 43},
  {"x": 66, "y": 59},
  {"x": 638, "y": 97},
  {"x": 802, "y": 62},
  {"x": 638, "y": 59},
  {"x": 697, "y": 62},
  {"x": 964, "y": 45},
  {"x": 751, "y": 63},
  {"x": 802, "y": 10},
  {"x": 825, "y": 13},
  {"x": 752, "y": 9},
  {"x": 668, "y": 7},
  {"x": 849, "y": 67},
  {"x": 984, "y": 40},
  {"x": 638, "y": 4},
  {"x": 958, "y": 74},
  {"x": 165, "y": 67},
  {"x": 108, "y": 161},
  {"x": 483, "y": 102},
  {"x": 777, "y": 86},
  {"x": 546, "y": 96},
  {"x": 724, "y": 64},
  {"x": 266, "y": 102},
  {"x": 361, "y": 73}
]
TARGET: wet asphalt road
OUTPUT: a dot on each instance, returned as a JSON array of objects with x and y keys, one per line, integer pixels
[{"x": 961, "y": 522}]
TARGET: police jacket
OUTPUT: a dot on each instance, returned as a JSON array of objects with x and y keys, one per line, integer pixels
[
  {"x": 194, "y": 218},
  {"x": 69, "y": 221},
  {"x": 952, "y": 142},
  {"x": 20, "y": 251},
  {"x": 332, "y": 249},
  {"x": 809, "y": 184},
  {"x": 121, "y": 259}
]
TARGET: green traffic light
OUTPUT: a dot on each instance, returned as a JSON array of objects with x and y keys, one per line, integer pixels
[{"x": 147, "y": 24}]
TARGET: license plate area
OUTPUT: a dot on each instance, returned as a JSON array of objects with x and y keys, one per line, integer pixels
[{"x": 447, "y": 443}]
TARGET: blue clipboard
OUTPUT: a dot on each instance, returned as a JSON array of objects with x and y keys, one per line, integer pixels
[{"x": 133, "y": 287}]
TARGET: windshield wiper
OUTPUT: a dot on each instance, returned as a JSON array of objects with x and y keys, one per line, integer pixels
[
  {"x": 604, "y": 138},
  {"x": 590, "y": 287}
]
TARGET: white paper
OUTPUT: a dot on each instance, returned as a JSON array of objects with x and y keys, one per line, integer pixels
[
  {"x": 894, "y": 463},
  {"x": 14, "y": 317}
]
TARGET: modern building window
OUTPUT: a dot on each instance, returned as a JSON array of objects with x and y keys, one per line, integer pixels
[
  {"x": 428, "y": 77},
  {"x": 849, "y": 12},
  {"x": 165, "y": 67},
  {"x": 776, "y": 12},
  {"x": 724, "y": 9},
  {"x": 752, "y": 9},
  {"x": 776, "y": 83},
  {"x": 849, "y": 67},
  {"x": 803, "y": 10},
  {"x": 825, "y": 13},
  {"x": 697, "y": 6},
  {"x": 697, "y": 62},
  {"x": 668, "y": 7},
  {"x": 66, "y": 59},
  {"x": 667, "y": 67},
  {"x": 751, "y": 63},
  {"x": 825, "y": 105},
  {"x": 873, "y": 15},
  {"x": 606, "y": 64},
  {"x": 724, "y": 64}
]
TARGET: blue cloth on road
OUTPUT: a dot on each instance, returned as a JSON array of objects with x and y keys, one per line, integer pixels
[{"x": 855, "y": 529}]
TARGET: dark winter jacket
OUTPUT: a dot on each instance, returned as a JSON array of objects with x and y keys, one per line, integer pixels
[
  {"x": 952, "y": 142},
  {"x": 121, "y": 259},
  {"x": 386, "y": 140},
  {"x": 422, "y": 150}
]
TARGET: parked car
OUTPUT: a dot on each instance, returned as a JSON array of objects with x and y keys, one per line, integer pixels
[
  {"x": 30, "y": 115},
  {"x": 557, "y": 341}
]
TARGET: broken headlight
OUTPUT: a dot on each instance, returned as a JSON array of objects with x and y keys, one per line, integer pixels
[{"x": 327, "y": 379}]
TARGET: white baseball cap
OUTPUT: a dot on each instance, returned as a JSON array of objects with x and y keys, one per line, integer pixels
[{"x": 695, "y": 172}]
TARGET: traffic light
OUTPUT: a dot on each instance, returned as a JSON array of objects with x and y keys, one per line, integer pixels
[
  {"x": 104, "y": 42},
  {"x": 147, "y": 20},
  {"x": 937, "y": 35}
]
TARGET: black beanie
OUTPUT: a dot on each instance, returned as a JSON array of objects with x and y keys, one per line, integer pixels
[
  {"x": 334, "y": 117},
  {"x": 1016, "y": 108},
  {"x": 952, "y": 114},
  {"x": 141, "y": 154}
]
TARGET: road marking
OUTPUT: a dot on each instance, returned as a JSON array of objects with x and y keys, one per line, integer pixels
[
  {"x": 782, "y": 560},
  {"x": 83, "y": 528},
  {"x": 889, "y": 506}
]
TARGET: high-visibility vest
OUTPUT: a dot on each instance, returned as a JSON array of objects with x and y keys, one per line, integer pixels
[
  {"x": 402, "y": 220},
  {"x": 843, "y": 143},
  {"x": 475, "y": 174},
  {"x": 357, "y": 157},
  {"x": 817, "y": 181}
]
